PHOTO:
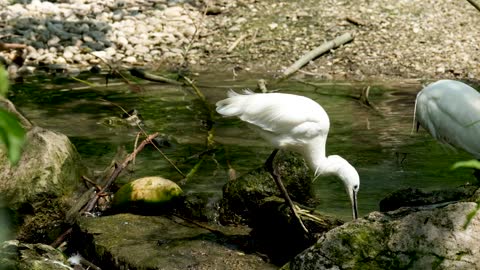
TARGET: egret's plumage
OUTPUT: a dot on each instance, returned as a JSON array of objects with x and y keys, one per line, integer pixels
[
  {"x": 450, "y": 111},
  {"x": 294, "y": 123}
]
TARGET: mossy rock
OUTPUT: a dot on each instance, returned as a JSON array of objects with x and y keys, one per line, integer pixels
[
  {"x": 242, "y": 196},
  {"x": 146, "y": 193},
  {"x": 23, "y": 256}
]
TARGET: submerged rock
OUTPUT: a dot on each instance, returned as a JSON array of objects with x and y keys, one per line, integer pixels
[
  {"x": 147, "y": 192},
  {"x": 415, "y": 197},
  {"x": 201, "y": 206},
  {"x": 431, "y": 237},
  {"x": 127, "y": 241}
]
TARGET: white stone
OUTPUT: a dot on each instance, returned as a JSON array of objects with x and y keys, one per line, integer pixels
[
  {"x": 68, "y": 55},
  {"x": 60, "y": 60},
  {"x": 54, "y": 40},
  {"x": 130, "y": 60},
  {"x": 173, "y": 12}
]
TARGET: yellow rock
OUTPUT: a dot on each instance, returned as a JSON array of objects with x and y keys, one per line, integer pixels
[{"x": 151, "y": 191}]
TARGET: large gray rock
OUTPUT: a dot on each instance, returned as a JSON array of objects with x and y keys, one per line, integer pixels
[
  {"x": 39, "y": 189},
  {"x": 445, "y": 236},
  {"x": 49, "y": 167},
  {"x": 127, "y": 241}
]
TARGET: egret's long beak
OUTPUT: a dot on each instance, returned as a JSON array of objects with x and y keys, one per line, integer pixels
[{"x": 353, "y": 198}]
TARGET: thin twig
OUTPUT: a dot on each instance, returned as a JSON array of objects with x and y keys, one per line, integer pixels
[
  {"x": 144, "y": 133},
  {"x": 475, "y": 4},
  {"x": 150, "y": 77},
  {"x": 11, "y": 46},
  {"x": 86, "y": 179},
  {"x": 61, "y": 238},
  {"x": 114, "y": 175},
  {"x": 236, "y": 42}
]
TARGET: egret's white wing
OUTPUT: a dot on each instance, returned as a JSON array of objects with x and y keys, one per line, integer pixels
[
  {"x": 278, "y": 113},
  {"x": 450, "y": 111}
]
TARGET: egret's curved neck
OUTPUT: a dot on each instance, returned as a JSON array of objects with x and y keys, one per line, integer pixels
[
  {"x": 326, "y": 166},
  {"x": 314, "y": 154}
]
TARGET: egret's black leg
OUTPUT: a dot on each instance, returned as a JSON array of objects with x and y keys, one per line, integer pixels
[{"x": 283, "y": 190}]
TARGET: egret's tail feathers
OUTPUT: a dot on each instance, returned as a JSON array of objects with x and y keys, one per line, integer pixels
[
  {"x": 234, "y": 104},
  {"x": 227, "y": 108},
  {"x": 232, "y": 93},
  {"x": 247, "y": 91}
]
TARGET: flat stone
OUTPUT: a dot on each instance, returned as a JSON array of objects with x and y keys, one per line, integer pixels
[{"x": 127, "y": 241}]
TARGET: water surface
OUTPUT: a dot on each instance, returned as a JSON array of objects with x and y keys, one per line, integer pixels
[{"x": 379, "y": 143}]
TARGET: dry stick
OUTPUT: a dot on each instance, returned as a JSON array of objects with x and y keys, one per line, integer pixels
[
  {"x": 91, "y": 182},
  {"x": 211, "y": 113},
  {"x": 144, "y": 133},
  {"x": 211, "y": 130},
  {"x": 325, "y": 47},
  {"x": 155, "y": 78},
  {"x": 61, "y": 238},
  {"x": 236, "y": 42},
  {"x": 117, "y": 171},
  {"x": 11, "y": 46},
  {"x": 210, "y": 136},
  {"x": 475, "y": 4}
]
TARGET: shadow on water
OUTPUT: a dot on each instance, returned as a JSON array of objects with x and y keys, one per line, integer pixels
[{"x": 381, "y": 146}]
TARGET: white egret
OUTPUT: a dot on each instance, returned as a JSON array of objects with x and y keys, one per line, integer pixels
[
  {"x": 450, "y": 111},
  {"x": 294, "y": 123}
]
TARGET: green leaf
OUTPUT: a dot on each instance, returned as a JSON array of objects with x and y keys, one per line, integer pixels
[
  {"x": 12, "y": 135},
  {"x": 474, "y": 164},
  {"x": 3, "y": 81}
]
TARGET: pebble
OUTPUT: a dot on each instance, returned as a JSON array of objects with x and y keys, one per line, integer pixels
[{"x": 125, "y": 30}]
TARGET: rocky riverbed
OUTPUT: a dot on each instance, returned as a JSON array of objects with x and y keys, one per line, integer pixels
[{"x": 399, "y": 39}]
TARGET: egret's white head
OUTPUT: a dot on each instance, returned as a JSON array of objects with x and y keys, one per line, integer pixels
[
  {"x": 338, "y": 166},
  {"x": 350, "y": 178}
]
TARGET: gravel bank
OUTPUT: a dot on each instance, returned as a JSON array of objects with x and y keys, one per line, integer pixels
[{"x": 393, "y": 39}]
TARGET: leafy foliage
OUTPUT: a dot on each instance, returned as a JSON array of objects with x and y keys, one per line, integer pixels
[
  {"x": 474, "y": 164},
  {"x": 11, "y": 132}
]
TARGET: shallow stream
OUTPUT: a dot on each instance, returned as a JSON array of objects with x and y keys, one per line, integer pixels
[{"x": 379, "y": 143}]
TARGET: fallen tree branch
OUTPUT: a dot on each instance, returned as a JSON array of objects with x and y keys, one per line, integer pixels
[
  {"x": 11, "y": 46},
  {"x": 236, "y": 42},
  {"x": 61, "y": 238},
  {"x": 325, "y": 47},
  {"x": 151, "y": 77},
  {"x": 91, "y": 204},
  {"x": 475, "y": 4}
]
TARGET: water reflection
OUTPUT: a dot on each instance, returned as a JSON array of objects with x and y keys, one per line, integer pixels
[{"x": 379, "y": 144}]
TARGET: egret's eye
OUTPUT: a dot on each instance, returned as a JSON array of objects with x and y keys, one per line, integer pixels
[{"x": 355, "y": 187}]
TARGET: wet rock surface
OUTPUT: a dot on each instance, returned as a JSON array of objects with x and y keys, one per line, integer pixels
[
  {"x": 127, "y": 241},
  {"x": 415, "y": 197},
  {"x": 242, "y": 196},
  {"x": 441, "y": 236}
]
